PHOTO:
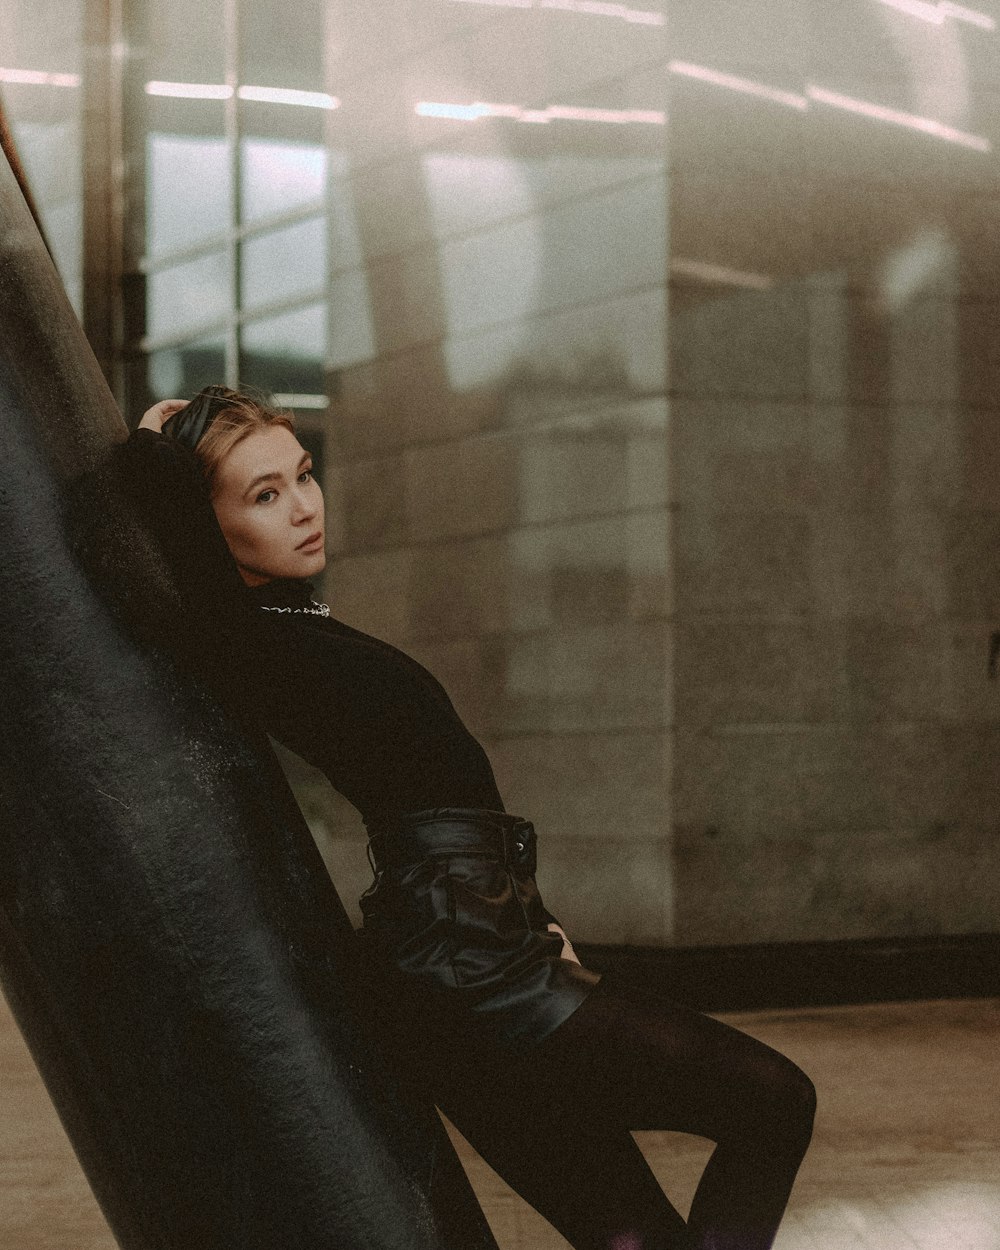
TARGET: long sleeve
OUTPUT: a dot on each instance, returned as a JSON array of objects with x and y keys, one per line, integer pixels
[{"x": 147, "y": 534}]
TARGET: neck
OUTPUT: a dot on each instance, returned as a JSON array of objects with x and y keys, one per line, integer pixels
[{"x": 282, "y": 592}]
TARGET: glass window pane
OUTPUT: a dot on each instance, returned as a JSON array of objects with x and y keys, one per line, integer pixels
[
  {"x": 280, "y": 174},
  {"x": 282, "y": 114},
  {"x": 44, "y": 117},
  {"x": 286, "y": 353},
  {"x": 189, "y": 189},
  {"x": 178, "y": 372},
  {"x": 184, "y": 297},
  {"x": 284, "y": 263}
]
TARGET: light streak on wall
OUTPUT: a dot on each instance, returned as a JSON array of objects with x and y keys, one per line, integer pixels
[
  {"x": 220, "y": 91},
  {"x": 895, "y": 117},
  {"x": 39, "y": 78},
  {"x": 748, "y": 86},
  {"x": 937, "y": 13},
  {"x": 917, "y": 8},
  {"x": 595, "y": 8},
  {"x": 721, "y": 275},
  {"x": 961, "y": 14},
  {"x": 820, "y": 95},
  {"x": 554, "y": 112}
]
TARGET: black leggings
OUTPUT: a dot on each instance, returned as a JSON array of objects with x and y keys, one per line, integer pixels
[{"x": 554, "y": 1122}]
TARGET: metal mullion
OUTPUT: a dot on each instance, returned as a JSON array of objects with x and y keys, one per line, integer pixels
[
  {"x": 103, "y": 242},
  {"x": 233, "y": 145}
]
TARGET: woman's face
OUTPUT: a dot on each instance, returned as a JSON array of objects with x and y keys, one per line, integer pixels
[{"x": 270, "y": 507}]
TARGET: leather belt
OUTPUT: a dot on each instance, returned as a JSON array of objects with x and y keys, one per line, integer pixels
[{"x": 443, "y": 831}]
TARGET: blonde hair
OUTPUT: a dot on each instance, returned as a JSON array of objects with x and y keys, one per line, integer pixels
[{"x": 242, "y": 415}]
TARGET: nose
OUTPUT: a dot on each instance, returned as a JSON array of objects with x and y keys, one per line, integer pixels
[{"x": 304, "y": 505}]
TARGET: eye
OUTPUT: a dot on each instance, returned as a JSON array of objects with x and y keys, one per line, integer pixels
[
  {"x": 265, "y": 496},
  {"x": 306, "y": 474}
]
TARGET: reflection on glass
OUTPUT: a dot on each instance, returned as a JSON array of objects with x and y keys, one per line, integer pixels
[
  {"x": 896, "y": 117},
  {"x": 189, "y": 190},
  {"x": 283, "y": 47},
  {"x": 184, "y": 297},
  {"x": 289, "y": 96},
  {"x": 541, "y": 117},
  {"x": 286, "y": 353},
  {"x": 352, "y": 326},
  {"x": 283, "y": 263},
  {"x": 346, "y": 250},
  {"x": 43, "y": 101},
  {"x": 279, "y": 175},
  {"x": 183, "y": 39},
  {"x": 733, "y": 82},
  {"x": 591, "y": 8},
  {"x": 178, "y": 372}
]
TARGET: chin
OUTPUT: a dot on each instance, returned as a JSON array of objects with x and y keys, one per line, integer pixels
[{"x": 311, "y": 565}]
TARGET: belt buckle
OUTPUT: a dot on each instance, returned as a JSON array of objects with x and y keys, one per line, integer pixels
[{"x": 521, "y": 841}]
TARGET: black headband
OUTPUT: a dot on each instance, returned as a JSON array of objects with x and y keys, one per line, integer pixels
[{"x": 189, "y": 423}]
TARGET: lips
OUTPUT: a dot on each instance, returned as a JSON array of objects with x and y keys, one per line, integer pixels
[{"x": 314, "y": 540}]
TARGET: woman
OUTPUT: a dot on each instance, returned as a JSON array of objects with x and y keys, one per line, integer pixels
[{"x": 542, "y": 1064}]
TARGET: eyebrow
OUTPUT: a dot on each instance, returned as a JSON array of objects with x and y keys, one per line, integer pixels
[{"x": 273, "y": 475}]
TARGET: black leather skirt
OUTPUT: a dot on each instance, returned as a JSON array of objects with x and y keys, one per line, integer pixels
[{"x": 454, "y": 935}]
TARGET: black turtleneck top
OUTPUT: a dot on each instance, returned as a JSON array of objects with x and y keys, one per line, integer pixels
[{"x": 375, "y": 721}]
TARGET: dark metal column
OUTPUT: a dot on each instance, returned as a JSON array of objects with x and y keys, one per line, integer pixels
[{"x": 170, "y": 943}]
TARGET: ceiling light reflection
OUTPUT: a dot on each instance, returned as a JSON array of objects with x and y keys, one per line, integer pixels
[
  {"x": 734, "y": 83},
  {"x": 961, "y": 14},
  {"x": 39, "y": 78},
  {"x": 937, "y": 13},
  {"x": 879, "y": 112},
  {"x": 912, "y": 121},
  {"x": 190, "y": 90},
  {"x": 220, "y": 91},
  {"x": 704, "y": 271},
  {"x": 643, "y": 17},
  {"x": 554, "y": 112},
  {"x": 917, "y": 8},
  {"x": 595, "y": 8},
  {"x": 283, "y": 95}
]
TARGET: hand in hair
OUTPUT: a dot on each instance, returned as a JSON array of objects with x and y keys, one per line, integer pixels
[{"x": 153, "y": 418}]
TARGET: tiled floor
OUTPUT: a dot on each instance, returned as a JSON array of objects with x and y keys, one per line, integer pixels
[{"x": 906, "y": 1154}]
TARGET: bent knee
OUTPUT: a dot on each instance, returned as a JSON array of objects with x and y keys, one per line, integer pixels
[{"x": 797, "y": 1102}]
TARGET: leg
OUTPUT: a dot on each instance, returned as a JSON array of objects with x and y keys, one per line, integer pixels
[
  {"x": 665, "y": 1066},
  {"x": 555, "y": 1122},
  {"x": 582, "y": 1171}
]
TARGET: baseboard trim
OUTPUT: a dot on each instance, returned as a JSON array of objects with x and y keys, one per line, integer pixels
[{"x": 811, "y": 974}]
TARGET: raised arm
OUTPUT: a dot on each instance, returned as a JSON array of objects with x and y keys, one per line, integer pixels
[{"x": 150, "y": 501}]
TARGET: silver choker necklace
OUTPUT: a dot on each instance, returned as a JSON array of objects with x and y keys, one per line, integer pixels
[{"x": 317, "y": 609}]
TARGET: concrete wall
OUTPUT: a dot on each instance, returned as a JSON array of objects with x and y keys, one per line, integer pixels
[
  {"x": 501, "y": 430},
  {"x": 835, "y": 453},
  {"x": 725, "y": 639}
]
